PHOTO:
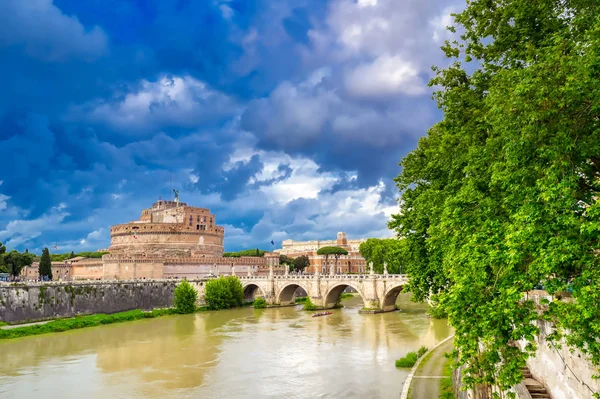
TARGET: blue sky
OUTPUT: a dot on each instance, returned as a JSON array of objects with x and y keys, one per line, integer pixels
[{"x": 287, "y": 118}]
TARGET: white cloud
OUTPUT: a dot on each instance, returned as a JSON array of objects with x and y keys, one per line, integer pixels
[
  {"x": 439, "y": 25},
  {"x": 386, "y": 75},
  {"x": 181, "y": 101},
  {"x": 20, "y": 231},
  {"x": 46, "y": 33}
]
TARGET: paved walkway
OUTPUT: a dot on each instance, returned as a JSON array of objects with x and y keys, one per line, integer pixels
[
  {"x": 426, "y": 381},
  {"x": 10, "y": 327}
]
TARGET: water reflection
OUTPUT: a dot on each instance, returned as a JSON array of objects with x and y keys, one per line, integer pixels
[{"x": 235, "y": 354}]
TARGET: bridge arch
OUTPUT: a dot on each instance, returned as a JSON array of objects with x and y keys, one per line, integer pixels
[
  {"x": 332, "y": 297},
  {"x": 251, "y": 290},
  {"x": 390, "y": 296},
  {"x": 285, "y": 296}
]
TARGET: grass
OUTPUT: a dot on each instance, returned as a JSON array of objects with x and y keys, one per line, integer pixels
[
  {"x": 346, "y": 295},
  {"x": 446, "y": 391},
  {"x": 85, "y": 321},
  {"x": 407, "y": 361}
]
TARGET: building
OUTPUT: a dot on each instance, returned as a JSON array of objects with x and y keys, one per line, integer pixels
[
  {"x": 169, "y": 240},
  {"x": 351, "y": 263}
]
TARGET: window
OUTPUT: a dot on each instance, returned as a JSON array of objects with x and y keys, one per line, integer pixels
[
  {"x": 190, "y": 220},
  {"x": 197, "y": 227}
]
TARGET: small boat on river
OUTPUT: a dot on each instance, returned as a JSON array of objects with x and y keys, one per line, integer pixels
[{"x": 322, "y": 314}]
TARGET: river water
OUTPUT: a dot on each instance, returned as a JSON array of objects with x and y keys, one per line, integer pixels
[{"x": 239, "y": 353}]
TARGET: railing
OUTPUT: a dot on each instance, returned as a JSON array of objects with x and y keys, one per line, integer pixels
[{"x": 328, "y": 276}]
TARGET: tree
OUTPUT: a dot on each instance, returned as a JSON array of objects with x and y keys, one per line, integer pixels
[
  {"x": 3, "y": 268},
  {"x": 185, "y": 297},
  {"x": 380, "y": 251},
  {"x": 335, "y": 251},
  {"x": 301, "y": 263},
  {"x": 72, "y": 255},
  {"x": 45, "y": 266},
  {"x": 224, "y": 293},
  {"x": 503, "y": 193},
  {"x": 15, "y": 262}
]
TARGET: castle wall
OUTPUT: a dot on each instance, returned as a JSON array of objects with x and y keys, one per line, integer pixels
[
  {"x": 116, "y": 268},
  {"x": 39, "y": 301}
]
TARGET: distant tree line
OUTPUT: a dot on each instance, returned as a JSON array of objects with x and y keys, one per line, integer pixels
[{"x": 14, "y": 261}]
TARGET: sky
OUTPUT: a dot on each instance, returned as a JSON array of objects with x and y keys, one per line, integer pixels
[{"x": 287, "y": 118}]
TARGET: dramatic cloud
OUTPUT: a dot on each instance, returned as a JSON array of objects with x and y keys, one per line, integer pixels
[
  {"x": 286, "y": 118},
  {"x": 45, "y": 32}
]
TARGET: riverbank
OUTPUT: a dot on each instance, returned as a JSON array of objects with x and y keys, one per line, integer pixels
[{"x": 78, "y": 322}]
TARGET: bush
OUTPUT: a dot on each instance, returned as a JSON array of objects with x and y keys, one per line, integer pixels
[
  {"x": 301, "y": 299},
  {"x": 185, "y": 298},
  {"x": 308, "y": 305},
  {"x": 224, "y": 293},
  {"x": 422, "y": 350},
  {"x": 407, "y": 361},
  {"x": 437, "y": 312},
  {"x": 259, "y": 303}
]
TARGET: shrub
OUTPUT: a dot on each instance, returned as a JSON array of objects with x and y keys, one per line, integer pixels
[
  {"x": 224, "y": 293},
  {"x": 422, "y": 350},
  {"x": 301, "y": 299},
  {"x": 308, "y": 305},
  {"x": 407, "y": 361},
  {"x": 185, "y": 298},
  {"x": 437, "y": 312},
  {"x": 259, "y": 303}
]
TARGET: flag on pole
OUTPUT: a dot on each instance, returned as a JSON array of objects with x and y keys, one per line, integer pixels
[
  {"x": 272, "y": 243},
  {"x": 56, "y": 246}
]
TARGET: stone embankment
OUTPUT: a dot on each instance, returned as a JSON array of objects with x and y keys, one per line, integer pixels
[{"x": 42, "y": 301}]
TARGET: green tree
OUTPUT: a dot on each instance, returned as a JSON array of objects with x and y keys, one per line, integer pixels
[
  {"x": 45, "y": 266},
  {"x": 72, "y": 255},
  {"x": 503, "y": 193},
  {"x": 380, "y": 251},
  {"x": 301, "y": 263},
  {"x": 3, "y": 268},
  {"x": 335, "y": 251},
  {"x": 224, "y": 293},
  {"x": 185, "y": 297},
  {"x": 15, "y": 262}
]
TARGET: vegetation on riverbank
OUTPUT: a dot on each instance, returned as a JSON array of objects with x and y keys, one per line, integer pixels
[
  {"x": 502, "y": 193},
  {"x": 185, "y": 297},
  {"x": 301, "y": 299},
  {"x": 84, "y": 321},
  {"x": 259, "y": 303},
  {"x": 308, "y": 305},
  {"x": 224, "y": 293},
  {"x": 411, "y": 358},
  {"x": 346, "y": 295},
  {"x": 446, "y": 391}
]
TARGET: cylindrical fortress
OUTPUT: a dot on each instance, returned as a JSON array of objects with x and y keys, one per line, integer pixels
[{"x": 169, "y": 229}]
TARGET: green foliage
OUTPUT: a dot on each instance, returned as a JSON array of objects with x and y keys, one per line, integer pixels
[
  {"x": 378, "y": 251},
  {"x": 504, "y": 192},
  {"x": 301, "y": 299},
  {"x": 346, "y": 295},
  {"x": 301, "y": 263},
  {"x": 224, "y": 293},
  {"x": 65, "y": 256},
  {"x": 13, "y": 262},
  {"x": 82, "y": 322},
  {"x": 246, "y": 252},
  {"x": 437, "y": 312},
  {"x": 3, "y": 268},
  {"x": 422, "y": 350},
  {"x": 308, "y": 305},
  {"x": 285, "y": 260},
  {"x": 407, "y": 361},
  {"x": 185, "y": 297},
  {"x": 332, "y": 251},
  {"x": 259, "y": 303},
  {"x": 45, "y": 266}
]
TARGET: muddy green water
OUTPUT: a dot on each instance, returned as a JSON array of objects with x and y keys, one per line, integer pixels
[{"x": 241, "y": 353}]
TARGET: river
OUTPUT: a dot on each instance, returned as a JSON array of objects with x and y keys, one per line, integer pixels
[{"x": 239, "y": 353}]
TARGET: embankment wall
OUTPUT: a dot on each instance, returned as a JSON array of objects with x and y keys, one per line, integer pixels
[{"x": 42, "y": 301}]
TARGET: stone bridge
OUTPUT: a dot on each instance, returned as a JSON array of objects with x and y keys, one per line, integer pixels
[{"x": 378, "y": 291}]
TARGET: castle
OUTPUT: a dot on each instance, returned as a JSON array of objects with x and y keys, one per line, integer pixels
[{"x": 169, "y": 240}]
